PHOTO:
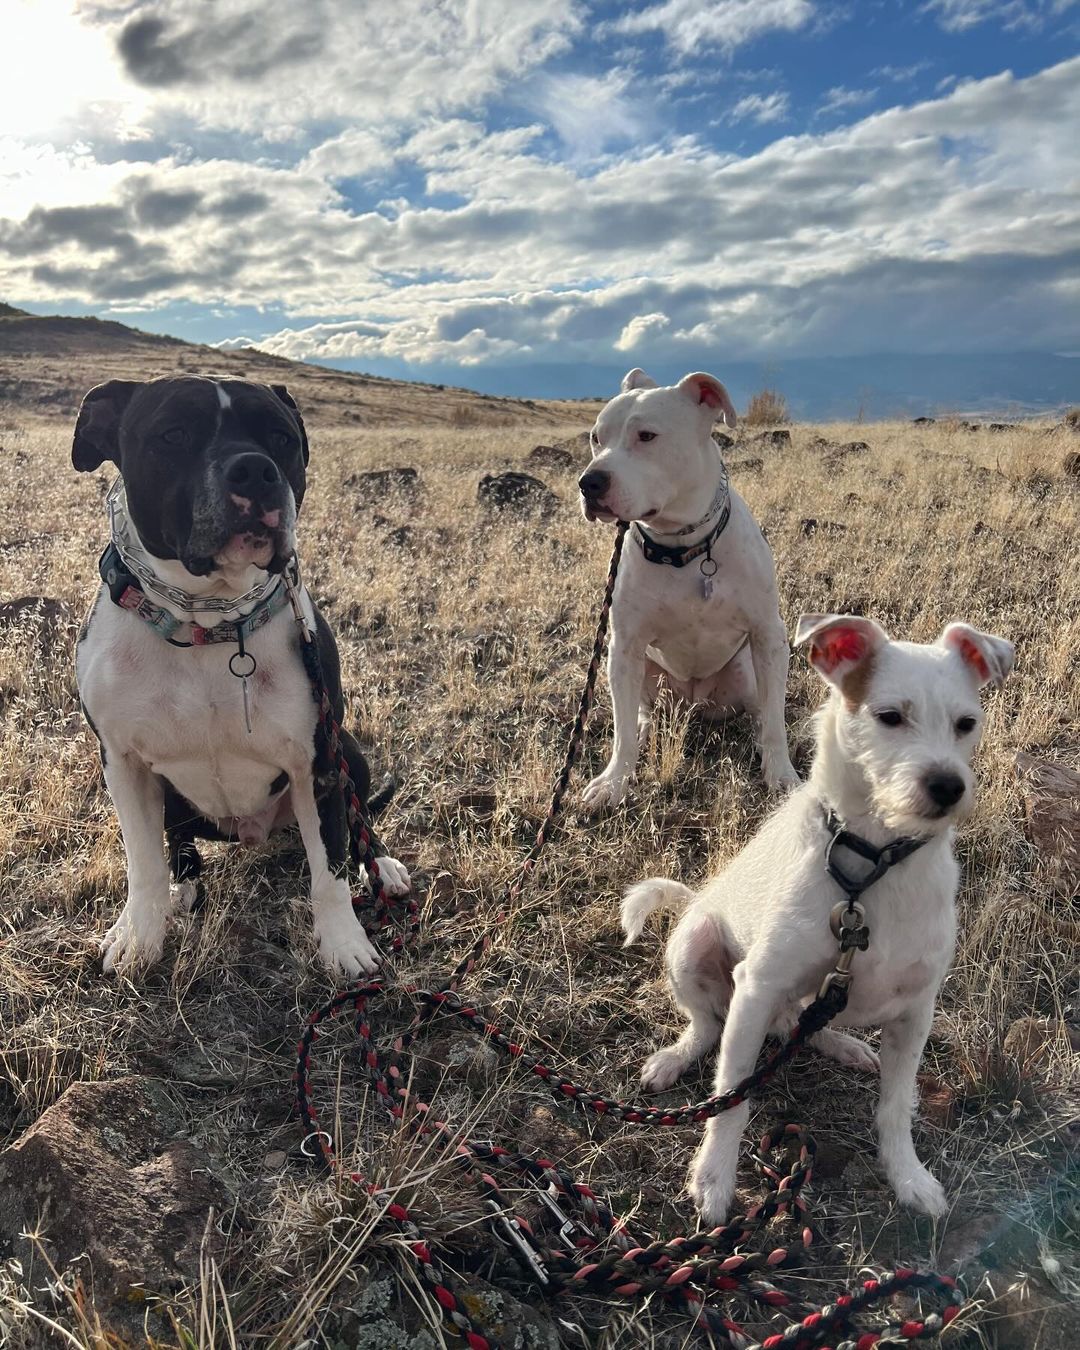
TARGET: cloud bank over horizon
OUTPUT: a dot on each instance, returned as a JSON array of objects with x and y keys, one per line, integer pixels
[{"x": 475, "y": 183}]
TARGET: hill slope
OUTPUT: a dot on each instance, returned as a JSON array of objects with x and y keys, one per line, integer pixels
[{"x": 47, "y": 363}]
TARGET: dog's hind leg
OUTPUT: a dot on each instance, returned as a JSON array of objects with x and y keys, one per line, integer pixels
[
  {"x": 185, "y": 864},
  {"x": 699, "y": 963}
]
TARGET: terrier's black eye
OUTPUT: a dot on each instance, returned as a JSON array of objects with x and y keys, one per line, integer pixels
[
  {"x": 647, "y": 435},
  {"x": 279, "y": 439},
  {"x": 964, "y": 725},
  {"x": 890, "y": 717},
  {"x": 174, "y": 436}
]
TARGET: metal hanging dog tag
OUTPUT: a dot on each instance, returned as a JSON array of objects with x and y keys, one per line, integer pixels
[
  {"x": 243, "y": 674},
  {"x": 709, "y": 568}
]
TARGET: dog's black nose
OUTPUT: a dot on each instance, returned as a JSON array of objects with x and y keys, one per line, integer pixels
[
  {"x": 251, "y": 472},
  {"x": 594, "y": 482},
  {"x": 944, "y": 789}
]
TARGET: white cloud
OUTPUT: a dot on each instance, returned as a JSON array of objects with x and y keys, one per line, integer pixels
[
  {"x": 640, "y": 327},
  {"x": 761, "y": 108},
  {"x": 689, "y": 25},
  {"x": 428, "y": 236},
  {"x": 840, "y": 99},
  {"x": 590, "y": 112},
  {"x": 956, "y": 16},
  {"x": 275, "y": 69}
]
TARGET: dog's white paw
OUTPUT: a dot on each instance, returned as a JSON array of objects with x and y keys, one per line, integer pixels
[
  {"x": 780, "y": 775},
  {"x": 344, "y": 947},
  {"x": 847, "y": 1050},
  {"x": 395, "y": 878},
  {"x": 922, "y": 1192},
  {"x": 135, "y": 941},
  {"x": 712, "y": 1182},
  {"x": 661, "y": 1070},
  {"x": 183, "y": 895},
  {"x": 606, "y": 789}
]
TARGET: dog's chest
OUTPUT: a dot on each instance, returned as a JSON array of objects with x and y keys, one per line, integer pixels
[
  {"x": 182, "y": 712},
  {"x": 911, "y": 946}
]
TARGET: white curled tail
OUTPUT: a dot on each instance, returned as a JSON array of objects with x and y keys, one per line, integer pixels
[{"x": 640, "y": 901}]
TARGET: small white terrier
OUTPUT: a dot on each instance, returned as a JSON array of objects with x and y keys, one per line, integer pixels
[{"x": 894, "y": 747}]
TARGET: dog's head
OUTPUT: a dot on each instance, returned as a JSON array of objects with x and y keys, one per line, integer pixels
[
  {"x": 906, "y": 715},
  {"x": 651, "y": 447},
  {"x": 214, "y": 471}
]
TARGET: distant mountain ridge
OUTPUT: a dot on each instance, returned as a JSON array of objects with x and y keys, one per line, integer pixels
[{"x": 821, "y": 388}]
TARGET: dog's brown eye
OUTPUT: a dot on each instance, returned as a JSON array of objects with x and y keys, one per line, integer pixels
[
  {"x": 890, "y": 717},
  {"x": 647, "y": 435},
  {"x": 174, "y": 436},
  {"x": 964, "y": 725},
  {"x": 279, "y": 439}
]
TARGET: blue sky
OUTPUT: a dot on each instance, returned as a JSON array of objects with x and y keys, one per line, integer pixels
[{"x": 469, "y": 189}]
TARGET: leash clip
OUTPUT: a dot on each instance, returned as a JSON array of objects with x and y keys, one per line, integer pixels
[
  {"x": 516, "y": 1237},
  {"x": 568, "y": 1225}
]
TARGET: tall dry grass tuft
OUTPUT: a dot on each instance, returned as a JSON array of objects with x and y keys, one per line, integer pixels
[
  {"x": 933, "y": 523},
  {"x": 767, "y": 408}
]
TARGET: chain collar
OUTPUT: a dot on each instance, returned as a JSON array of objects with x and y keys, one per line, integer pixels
[{"x": 185, "y": 606}]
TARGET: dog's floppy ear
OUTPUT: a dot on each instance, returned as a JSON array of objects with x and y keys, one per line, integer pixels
[
  {"x": 98, "y": 425},
  {"x": 636, "y": 379},
  {"x": 842, "y": 648},
  {"x": 708, "y": 392},
  {"x": 988, "y": 658},
  {"x": 281, "y": 392}
]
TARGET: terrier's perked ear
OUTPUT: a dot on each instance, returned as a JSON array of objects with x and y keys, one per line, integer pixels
[{"x": 988, "y": 658}]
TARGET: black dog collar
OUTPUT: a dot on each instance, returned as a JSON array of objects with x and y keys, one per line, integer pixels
[
  {"x": 880, "y": 859},
  {"x": 676, "y": 555}
]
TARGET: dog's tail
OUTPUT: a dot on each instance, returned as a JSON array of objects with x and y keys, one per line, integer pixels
[
  {"x": 380, "y": 800},
  {"x": 640, "y": 901}
]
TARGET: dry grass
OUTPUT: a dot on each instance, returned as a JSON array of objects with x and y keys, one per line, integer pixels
[
  {"x": 463, "y": 644},
  {"x": 767, "y": 408}
]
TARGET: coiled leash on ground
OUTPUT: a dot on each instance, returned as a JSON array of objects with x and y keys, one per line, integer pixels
[{"x": 590, "y": 1249}]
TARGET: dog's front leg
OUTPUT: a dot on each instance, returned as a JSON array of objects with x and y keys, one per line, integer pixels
[
  {"x": 626, "y": 676},
  {"x": 770, "y": 654},
  {"x": 902, "y": 1044},
  {"x": 138, "y": 935},
  {"x": 753, "y": 1007},
  {"x": 343, "y": 945}
]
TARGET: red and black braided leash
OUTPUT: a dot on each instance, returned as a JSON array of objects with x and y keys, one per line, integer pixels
[{"x": 592, "y": 1249}]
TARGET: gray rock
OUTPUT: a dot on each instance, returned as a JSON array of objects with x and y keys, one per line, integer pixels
[{"x": 106, "y": 1182}]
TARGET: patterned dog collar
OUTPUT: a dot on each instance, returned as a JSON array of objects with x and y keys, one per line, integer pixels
[{"x": 125, "y": 590}]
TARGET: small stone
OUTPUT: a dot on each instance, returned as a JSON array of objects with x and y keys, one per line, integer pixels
[
  {"x": 550, "y": 457},
  {"x": 519, "y": 492},
  {"x": 275, "y": 1160},
  {"x": 810, "y": 525},
  {"x": 375, "y": 483}
]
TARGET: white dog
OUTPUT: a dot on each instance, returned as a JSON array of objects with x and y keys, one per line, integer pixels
[
  {"x": 695, "y": 606},
  {"x": 894, "y": 748}
]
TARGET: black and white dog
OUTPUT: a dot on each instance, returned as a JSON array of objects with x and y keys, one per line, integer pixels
[{"x": 188, "y": 665}]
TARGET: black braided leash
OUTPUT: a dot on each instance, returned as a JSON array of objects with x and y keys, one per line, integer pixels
[{"x": 592, "y": 1249}]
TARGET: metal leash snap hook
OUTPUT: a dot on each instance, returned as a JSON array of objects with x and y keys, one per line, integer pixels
[
  {"x": 568, "y": 1225},
  {"x": 513, "y": 1235},
  {"x": 305, "y": 1144}
]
